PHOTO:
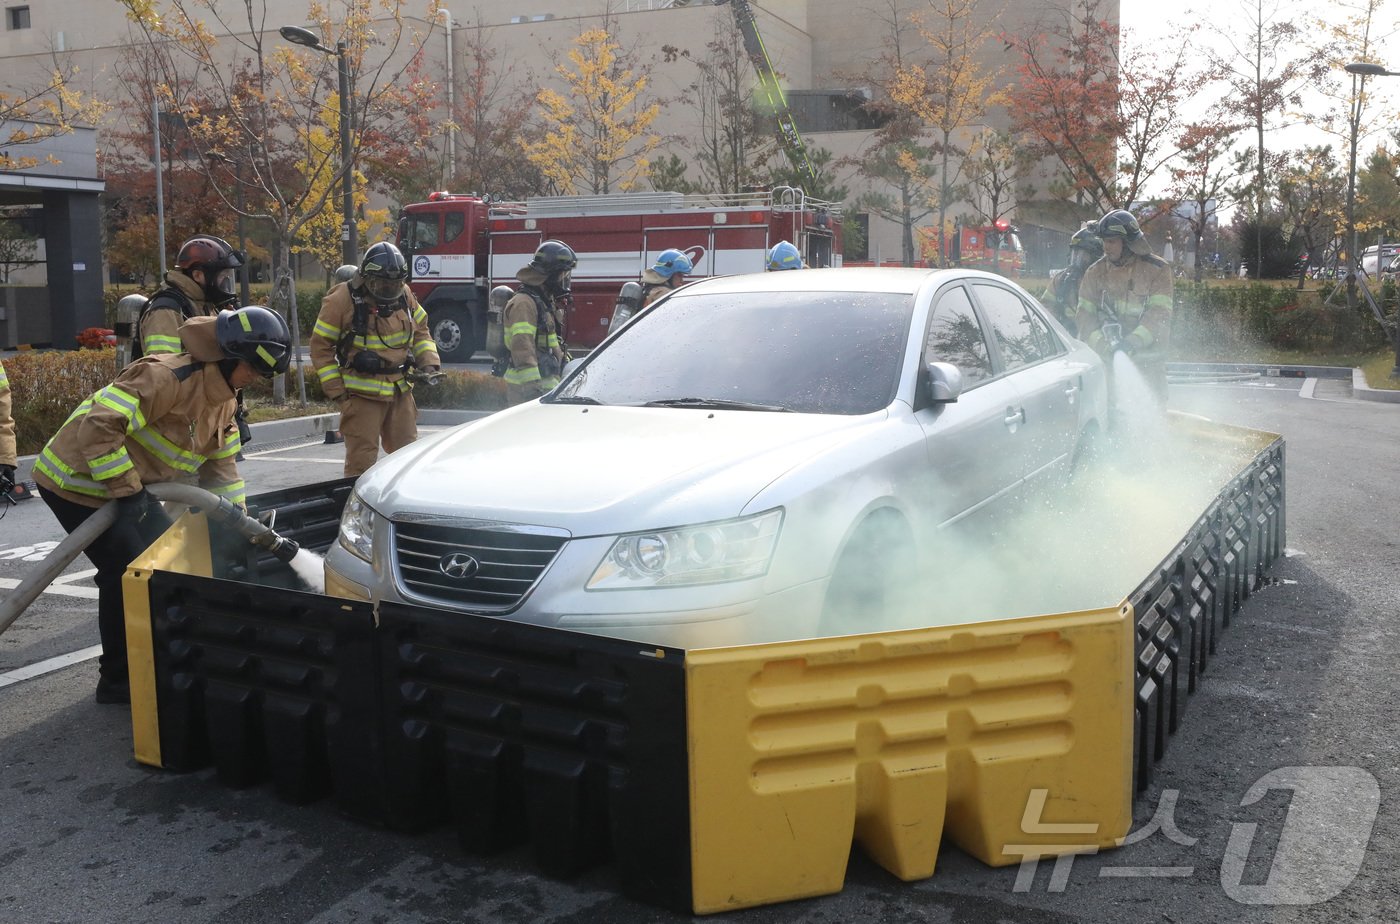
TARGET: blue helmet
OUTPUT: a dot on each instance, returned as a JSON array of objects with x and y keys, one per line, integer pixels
[
  {"x": 784, "y": 256},
  {"x": 671, "y": 262}
]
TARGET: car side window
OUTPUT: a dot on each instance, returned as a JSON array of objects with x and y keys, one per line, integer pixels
[
  {"x": 1050, "y": 344},
  {"x": 1021, "y": 339},
  {"x": 955, "y": 336}
]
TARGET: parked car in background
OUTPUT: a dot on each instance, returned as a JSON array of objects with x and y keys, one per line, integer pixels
[
  {"x": 1376, "y": 258},
  {"x": 752, "y": 458}
]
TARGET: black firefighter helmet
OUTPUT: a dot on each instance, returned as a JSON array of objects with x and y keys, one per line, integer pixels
[
  {"x": 257, "y": 335},
  {"x": 383, "y": 272}
]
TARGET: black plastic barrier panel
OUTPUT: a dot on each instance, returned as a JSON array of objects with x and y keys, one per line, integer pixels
[
  {"x": 1184, "y": 605},
  {"x": 514, "y": 734}
]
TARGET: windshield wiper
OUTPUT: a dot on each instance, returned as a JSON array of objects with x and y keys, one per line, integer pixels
[
  {"x": 722, "y": 404},
  {"x": 573, "y": 399}
]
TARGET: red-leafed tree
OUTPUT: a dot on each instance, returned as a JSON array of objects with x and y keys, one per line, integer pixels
[
  {"x": 491, "y": 115},
  {"x": 403, "y": 157},
  {"x": 1067, "y": 100},
  {"x": 1204, "y": 177}
]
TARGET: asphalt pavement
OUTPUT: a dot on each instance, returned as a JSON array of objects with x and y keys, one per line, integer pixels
[{"x": 1263, "y": 805}]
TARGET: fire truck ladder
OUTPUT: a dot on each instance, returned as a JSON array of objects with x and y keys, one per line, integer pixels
[{"x": 788, "y": 136}]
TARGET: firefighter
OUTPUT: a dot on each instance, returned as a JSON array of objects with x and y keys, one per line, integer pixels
[
  {"x": 200, "y": 284},
  {"x": 1125, "y": 299},
  {"x": 167, "y": 417},
  {"x": 666, "y": 274},
  {"x": 533, "y": 320},
  {"x": 370, "y": 332},
  {"x": 784, "y": 256},
  {"x": 8, "y": 456},
  {"x": 1062, "y": 297}
]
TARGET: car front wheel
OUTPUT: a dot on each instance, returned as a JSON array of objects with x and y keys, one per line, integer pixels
[{"x": 872, "y": 586}]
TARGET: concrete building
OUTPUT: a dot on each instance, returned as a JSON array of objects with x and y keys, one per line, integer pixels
[
  {"x": 62, "y": 295},
  {"x": 820, "y": 47}
]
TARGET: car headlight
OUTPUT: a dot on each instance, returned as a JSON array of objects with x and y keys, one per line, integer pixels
[
  {"x": 357, "y": 528},
  {"x": 730, "y": 550}
]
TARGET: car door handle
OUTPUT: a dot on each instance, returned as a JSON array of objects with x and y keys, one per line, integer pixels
[
  {"x": 1014, "y": 416},
  {"x": 1071, "y": 392}
]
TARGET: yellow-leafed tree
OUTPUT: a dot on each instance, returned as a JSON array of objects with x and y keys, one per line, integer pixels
[
  {"x": 952, "y": 90},
  {"x": 43, "y": 108},
  {"x": 596, "y": 136}
]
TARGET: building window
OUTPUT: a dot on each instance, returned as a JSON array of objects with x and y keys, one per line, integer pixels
[
  {"x": 17, "y": 17},
  {"x": 833, "y": 111}
]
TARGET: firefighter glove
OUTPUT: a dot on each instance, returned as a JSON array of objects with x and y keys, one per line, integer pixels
[
  {"x": 133, "y": 507},
  {"x": 7, "y": 478}
]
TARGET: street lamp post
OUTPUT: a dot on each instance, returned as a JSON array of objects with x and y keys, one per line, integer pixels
[
  {"x": 451, "y": 172},
  {"x": 160, "y": 185},
  {"x": 1363, "y": 70},
  {"x": 349, "y": 234}
]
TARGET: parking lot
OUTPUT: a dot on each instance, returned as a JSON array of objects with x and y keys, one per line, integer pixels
[{"x": 1303, "y": 679}]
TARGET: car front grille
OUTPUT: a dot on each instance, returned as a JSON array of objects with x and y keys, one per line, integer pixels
[{"x": 431, "y": 559}]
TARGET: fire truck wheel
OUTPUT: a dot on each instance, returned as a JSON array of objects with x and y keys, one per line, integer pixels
[{"x": 454, "y": 332}]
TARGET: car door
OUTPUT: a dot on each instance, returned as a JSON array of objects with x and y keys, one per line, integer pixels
[
  {"x": 1035, "y": 360},
  {"x": 973, "y": 444}
]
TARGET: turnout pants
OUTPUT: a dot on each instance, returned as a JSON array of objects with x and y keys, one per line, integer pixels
[
  {"x": 365, "y": 421},
  {"x": 110, "y": 553}
]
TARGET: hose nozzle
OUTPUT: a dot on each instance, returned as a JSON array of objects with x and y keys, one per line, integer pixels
[
  {"x": 282, "y": 548},
  {"x": 1113, "y": 335}
]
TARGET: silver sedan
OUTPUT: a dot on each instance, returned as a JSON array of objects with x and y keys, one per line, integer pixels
[{"x": 753, "y": 458}]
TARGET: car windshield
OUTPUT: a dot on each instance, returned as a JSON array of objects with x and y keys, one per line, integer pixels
[{"x": 809, "y": 352}]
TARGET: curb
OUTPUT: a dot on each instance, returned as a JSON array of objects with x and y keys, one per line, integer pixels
[
  {"x": 1359, "y": 389},
  {"x": 1265, "y": 369}
]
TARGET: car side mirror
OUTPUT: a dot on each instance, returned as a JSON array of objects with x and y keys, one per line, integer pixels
[
  {"x": 570, "y": 366},
  {"x": 945, "y": 383}
]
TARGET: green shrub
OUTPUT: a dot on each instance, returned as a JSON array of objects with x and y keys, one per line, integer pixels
[
  {"x": 1221, "y": 322},
  {"x": 463, "y": 391},
  {"x": 45, "y": 387}
]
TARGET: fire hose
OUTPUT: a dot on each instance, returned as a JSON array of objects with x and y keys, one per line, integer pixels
[{"x": 217, "y": 509}]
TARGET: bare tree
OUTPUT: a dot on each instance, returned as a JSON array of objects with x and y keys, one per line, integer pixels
[
  {"x": 256, "y": 110},
  {"x": 1266, "y": 67},
  {"x": 733, "y": 142}
]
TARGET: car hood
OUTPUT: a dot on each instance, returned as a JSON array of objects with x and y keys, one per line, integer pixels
[{"x": 603, "y": 470}]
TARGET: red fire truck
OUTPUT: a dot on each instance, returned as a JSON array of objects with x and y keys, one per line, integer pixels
[
  {"x": 460, "y": 246},
  {"x": 994, "y": 248}
]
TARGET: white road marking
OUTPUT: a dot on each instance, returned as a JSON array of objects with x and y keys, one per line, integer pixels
[
  {"x": 1309, "y": 386},
  {"x": 61, "y": 589},
  {"x": 271, "y": 452},
  {"x": 303, "y": 459},
  {"x": 75, "y": 576},
  {"x": 40, "y": 668}
]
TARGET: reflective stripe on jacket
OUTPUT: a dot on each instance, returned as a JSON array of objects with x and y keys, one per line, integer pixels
[
  {"x": 1139, "y": 292},
  {"x": 8, "y": 455},
  {"x": 393, "y": 338},
  {"x": 164, "y": 418},
  {"x": 527, "y": 341},
  {"x": 159, "y": 327}
]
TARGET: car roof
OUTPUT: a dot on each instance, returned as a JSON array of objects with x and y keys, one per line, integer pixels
[{"x": 856, "y": 279}]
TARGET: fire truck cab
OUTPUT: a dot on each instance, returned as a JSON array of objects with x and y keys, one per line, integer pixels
[
  {"x": 460, "y": 246},
  {"x": 995, "y": 248}
]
